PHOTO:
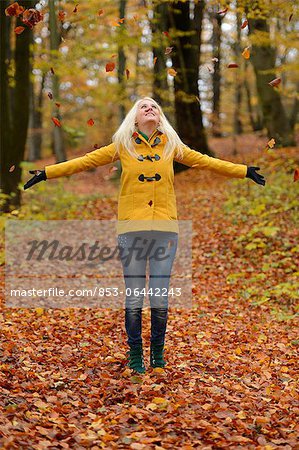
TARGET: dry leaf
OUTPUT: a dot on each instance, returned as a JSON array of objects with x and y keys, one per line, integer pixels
[
  {"x": 100, "y": 12},
  {"x": 172, "y": 72},
  {"x": 14, "y": 9},
  {"x": 223, "y": 11},
  {"x": 110, "y": 66},
  {"x": 61, "y": 15},
  {"x": 296, "y": 174},
  {"x": 244, "y": 24},
  {"x": 50, "y": 95},
  {"x": 168, "y": 50},
  {"x": 127, "y": 74},
  {"x": 19, "y": 30},
  {"x": 56, "y": 122},
  {"x": 90, "y": 122},
  {"x": 246, "y": 53},
  {"x": 275, "y": 82},
  {"x": 12, "y": 168},
  {"x": 271, "y": 143},
  {"x": 155, "y": 60},
  {"x": 233, "y": 65},
  {"x": 76, "y": 8}
]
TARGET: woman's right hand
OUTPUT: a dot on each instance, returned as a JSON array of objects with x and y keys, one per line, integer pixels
[{"x": 39, "y": 175}]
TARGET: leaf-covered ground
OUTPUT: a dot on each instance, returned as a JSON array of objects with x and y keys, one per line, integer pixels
[{"x": 232, "y": 374}]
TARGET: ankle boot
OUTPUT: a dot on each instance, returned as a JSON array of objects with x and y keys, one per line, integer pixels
[
  {"x": 135, "y": 356},
  {"x": 156, "y": 355}
]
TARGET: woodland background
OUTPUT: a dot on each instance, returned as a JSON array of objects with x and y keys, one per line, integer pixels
[{"x": 67, "y": 80}]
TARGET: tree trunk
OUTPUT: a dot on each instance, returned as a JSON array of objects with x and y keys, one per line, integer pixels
[
  {"x": 237, "y": 124},
  {"x": 185, "y": 59},
  {"x": 35, "y": 122},
  {"x": 274, "y": 115},
  {"x": 216, "y": 77},
  {"x": 121, "y": 62},
  {"x": 14, "y": 130},
  {"x": 55, "y": 38},
  {"x": 159, "y": 24},
  {"x": 255, "y": 122}
]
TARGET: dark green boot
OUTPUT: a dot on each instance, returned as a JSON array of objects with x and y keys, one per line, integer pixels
[
  {"x": 156, "y": 355},
  {"x": 135, "y": 356}
]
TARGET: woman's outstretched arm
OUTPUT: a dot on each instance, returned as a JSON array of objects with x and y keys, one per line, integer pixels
[{"x": 99, "y": 157}]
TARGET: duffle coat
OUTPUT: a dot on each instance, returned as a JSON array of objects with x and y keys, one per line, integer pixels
[{"x": 146, "y": 198}]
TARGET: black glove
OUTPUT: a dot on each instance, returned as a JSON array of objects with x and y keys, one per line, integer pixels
[
  {"x": 256, "y": 177},
  {"x": 40, "y": 175}
]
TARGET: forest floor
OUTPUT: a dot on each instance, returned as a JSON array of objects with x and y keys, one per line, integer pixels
[{"x": 231, "y": 379}]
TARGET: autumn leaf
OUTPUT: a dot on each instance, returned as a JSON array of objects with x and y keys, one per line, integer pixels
[
  {"x": 223, "y": 11},
  {"x": 150, "y": 202},
  {"x": 61, "y": 15},
  {"x": 90, "y": 122},
  {"x": 246, "y": 53},
  {"x": 31, "y": 17},
  {"x": 275, "y": 82},
  {"x": 290, "y": 18},
  {"x": 12, "y": 168},
  {"x": 296, "y": 174},
  {"x": 14, "y": 9},
  {"x": 233, "y": 65},
  {"x": 56, "y": 122},
  {"x": 244, "y": 24},
  {"x": 127, "y": 74},
  {"x": 57, "y": 104},
  {"x": 166, "y": 34},
  {"x": 271, "y": 143},
  {"x": 209, "y": 69},
  {"x": 155, "y": 60},
  {"x": 110, "y": 66},
  {"x": 117, "y": 22},
  {"x": 50, "y": 95},
  {"x": 114, "y": 55},
  {"x": 172, "y": 72},
  {"x": 19, "y": 30},
  {"x": 52, "y": 71},
  {"x": 100, "y": 12},
  {"x": 76, "y": 8},
  {"x": 168, "y": 50}
]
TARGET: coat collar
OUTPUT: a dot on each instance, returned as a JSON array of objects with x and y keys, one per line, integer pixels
[{"x": 153, "y": 139}]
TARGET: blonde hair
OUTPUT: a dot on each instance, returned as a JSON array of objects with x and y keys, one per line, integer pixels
[{"x": 123, "y": 136}]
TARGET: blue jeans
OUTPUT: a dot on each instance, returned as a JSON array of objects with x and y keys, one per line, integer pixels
[{"x": 136, "y": 248}]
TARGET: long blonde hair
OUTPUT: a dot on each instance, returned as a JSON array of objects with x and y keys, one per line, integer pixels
[{"x": 123, "y": 136}]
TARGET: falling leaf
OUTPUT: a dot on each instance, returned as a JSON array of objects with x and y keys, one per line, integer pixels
[
  {"x": 14, "y": 9},
  {"x": 296, "y": 174},
  {"x": 110, "y": 66},
  {"x": 215, "y": 59},
  {"x": 76, "y": 8},
  {"x": 50, "y": 95},
  {"x": 117, "y": 22},
  {"x": 52, "y": 70},
  {"x": 56, "y": 122},
  {"x": 232, "y": 65},
  {"x": 197, "y": 98},
  {"x": 223, "y": 11},
  {"x": 150, "y": 202},
  {"x": 31, "y": 17},
  {"x": 114, "y": 55},
  {"x": 166, "y": 34},
  {"x": 90, "y": 122},
  {"x": 275, "y": 82},
  {"x": 244, "y": 24},
  {"x": 168, "y": 50},
  {"x": 290, "y": 18},
  {"x": 127, "y": 74},
  {"x": 171, "y": 72},
  {"x": 246, "y": 53},
  {"x": 271, "y": 143},
  {"x": 61, "y": 15},
  {"x": 12, "y": 168},
  {"x": 155, "y": 60},
  {"x": 100, "y": 12},
  {"x": 57, "y": 104},
  {"x": 19, "y": 30}
]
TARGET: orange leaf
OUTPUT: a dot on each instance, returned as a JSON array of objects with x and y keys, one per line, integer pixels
[
  {"x": 12, "y": 168},
  {"x": 110, "y": 66},
  {"x": 76, "y": 9},
  {"x": 50, "y": 95},
  {"x": 127, "y": 73},
  {"x": 155, "y": 60},
  {"x": 90, "y": 122},
  {"x": 19, "y": 30},
  {"x": 223, "y": 11},
  {"x": 166, "y": 34},
  {"x": 275, "y": 82},
  {"x": 168, "y": 50},
  {"x": 246, "y": 53},
  {"x": 31, "y": 17},
  {"x": 232, "y": 65},
  {"x": 113, "y": 56},
  {"x": 14, "y": 9},
  {"x": 244, "y": 24},
  {"x": 100, "y": 12},
  {"x": 56, "y": 122},
  {"x": 296, "y": 174},
  {"x": 61, "y": 15},
  {"x": 172, "y": 72},
  {"x": 271, "y": 143},
  {"x": 57, "y": 104}
]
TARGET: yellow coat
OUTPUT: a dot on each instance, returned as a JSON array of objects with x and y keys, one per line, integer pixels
[{"x": 146, "y": 204}]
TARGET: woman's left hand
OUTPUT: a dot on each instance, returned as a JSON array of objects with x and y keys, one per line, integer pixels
[{"x": 256, "y": 177}]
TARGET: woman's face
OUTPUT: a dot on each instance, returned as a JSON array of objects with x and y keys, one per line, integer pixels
[{"x": 147, "y": 113}]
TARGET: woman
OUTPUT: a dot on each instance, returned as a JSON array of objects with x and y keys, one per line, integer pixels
[{"x": 146, "y": 144}]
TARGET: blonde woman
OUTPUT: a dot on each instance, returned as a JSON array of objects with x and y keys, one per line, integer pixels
[{"x": 146, "y": 144}]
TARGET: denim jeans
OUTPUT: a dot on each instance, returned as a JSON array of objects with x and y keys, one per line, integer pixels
[{"x": 159, "y": 249}]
